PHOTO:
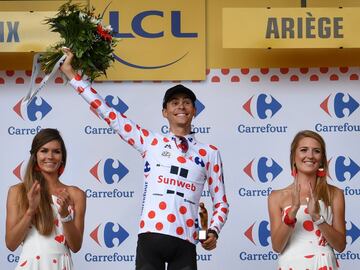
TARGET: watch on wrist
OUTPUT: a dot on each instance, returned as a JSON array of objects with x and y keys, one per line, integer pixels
[
  {"x": 68, "y": 218},
  {"x": 321, "y": 220}
]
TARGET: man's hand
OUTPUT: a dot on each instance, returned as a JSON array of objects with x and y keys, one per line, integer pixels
[
  {"x": 66, "y": 67},
  {"x": 210, "y": 242}
]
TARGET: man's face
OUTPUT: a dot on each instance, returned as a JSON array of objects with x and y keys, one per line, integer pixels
[{"x": 179, "y": 111}]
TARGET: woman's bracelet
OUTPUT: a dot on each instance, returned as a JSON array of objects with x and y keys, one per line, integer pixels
[{"x": 68, "y": 218}]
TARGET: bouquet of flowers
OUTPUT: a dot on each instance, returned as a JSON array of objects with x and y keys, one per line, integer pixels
[{"x": 90, "y": 41}]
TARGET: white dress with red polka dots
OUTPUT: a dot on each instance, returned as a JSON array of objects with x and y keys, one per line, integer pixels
[
  {"x": 173, "y": 179},
  {"x": 46, "y": 252},
  {"x": 307, "y": 249}
]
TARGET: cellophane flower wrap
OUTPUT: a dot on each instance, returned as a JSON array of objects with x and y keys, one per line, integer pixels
[{"x": 88, "y": 38}]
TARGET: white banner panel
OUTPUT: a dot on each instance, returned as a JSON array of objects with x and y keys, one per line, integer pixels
[{"x": 251, "y": 115}]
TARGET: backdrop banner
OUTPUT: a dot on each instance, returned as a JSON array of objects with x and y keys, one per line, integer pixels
[{"x": 251, "y": 115}]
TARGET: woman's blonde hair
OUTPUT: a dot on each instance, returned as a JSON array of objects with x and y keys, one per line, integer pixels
[{"x": 43, "y": 218}]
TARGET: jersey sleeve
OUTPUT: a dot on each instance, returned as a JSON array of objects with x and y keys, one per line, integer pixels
[
  {"x": 216, "y": 185},
  {"x": 130, "y": 132}
]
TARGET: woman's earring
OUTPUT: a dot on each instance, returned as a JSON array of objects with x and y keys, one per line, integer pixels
[
  {"x": 37, "y": 168},
  {"x": 321, "y": 172},
  {"x": 294, "y": 171},
  {"x": 61, "y": 169}
]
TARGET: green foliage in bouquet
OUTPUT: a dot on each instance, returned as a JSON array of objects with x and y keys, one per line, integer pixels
[{"x": 80, "y": 30}]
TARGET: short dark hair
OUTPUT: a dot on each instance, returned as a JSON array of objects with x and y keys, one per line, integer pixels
[{"x": 175, "y": 90}]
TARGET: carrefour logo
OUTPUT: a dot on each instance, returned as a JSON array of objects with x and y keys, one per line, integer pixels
[
  {"x": 259, "y": 233},
  {"x": 353, "y": 232},
  {"x": 109, "y": 235},
  {"x": 199, "y": 107},
  {"x": 262, "y": 106},
  {"x": 344, "y": 168},
  {"x": 18, "y": 170},
  {"x": 36, "y": 110},
  {"x": 116, "y": 103},
  {"x": 264, "y": 169},
  {"x": 339, "y": 105},
  {"x": 109, "y": 171}
]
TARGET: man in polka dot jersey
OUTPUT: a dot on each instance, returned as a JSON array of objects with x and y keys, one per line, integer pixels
[{"x": 176, "y": 167}]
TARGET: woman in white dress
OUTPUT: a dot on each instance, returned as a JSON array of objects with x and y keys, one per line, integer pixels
[
  {"x": 44, "y": 215},
  {"x": 307, "y": 218}
]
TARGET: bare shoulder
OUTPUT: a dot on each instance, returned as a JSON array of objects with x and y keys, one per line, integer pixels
[
  {"x": 76, "y": 192},
  {"x": 336, "y": 192},
  {"x": 14, "y": 194},
  {"x": 335, "y": 189},
  {"x": 280, "y": 194},
  {"x": 15, "y": 189}
]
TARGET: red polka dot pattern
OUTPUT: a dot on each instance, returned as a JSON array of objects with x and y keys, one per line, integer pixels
[
  {"x": 171, "y": 218},
  {"x": 159, "y": 226},
  {"x": 95, "y": 104},
  {"x": 127, "y": 128},
  {"x": 202, "y": 152},
  {"x": 112, "y": 116},
  {"x": 308, "y": 225},
  {"x": 189, "y": 222},
  {"x": 151, "y": 214},
  {"x": 145, "y": 132},
  {"x": 154, "y": 142},
  {"x": 179, "y": 230},
  {"x": 162, "y": 205},
  {"x": 181, "y": 159},
  {"x": 210, "y": 181},
  {"x": 80, "y": 89},
  {"x": 182, "y": 210}
]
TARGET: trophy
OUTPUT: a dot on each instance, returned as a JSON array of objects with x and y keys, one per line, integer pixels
[{"x": 203, "y": 222}]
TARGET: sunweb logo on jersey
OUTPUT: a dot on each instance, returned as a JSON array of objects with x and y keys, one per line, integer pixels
[
  {"x": 264, "y": 169},
  {"x": 36, "y": 110},
  {"x": 262, "y": 106},
  {"x": 109, "y": 235},
  {"x": 339, "y": 105}
]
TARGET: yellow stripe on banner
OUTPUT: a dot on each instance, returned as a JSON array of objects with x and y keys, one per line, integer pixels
[
  {"x": 25, "y": 31},
  {"x": 291, "y": 27}
]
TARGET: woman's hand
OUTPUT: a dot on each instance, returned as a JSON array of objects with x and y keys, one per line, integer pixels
[
  {"x": 295, "y": 198},
  {"x": 312, "y": 205},
  {"x": 33, "y": 197},
  {"x": 64, "y": 200}
]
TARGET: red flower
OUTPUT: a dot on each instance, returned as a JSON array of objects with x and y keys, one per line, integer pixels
[{"x": 103, "y": 33}]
